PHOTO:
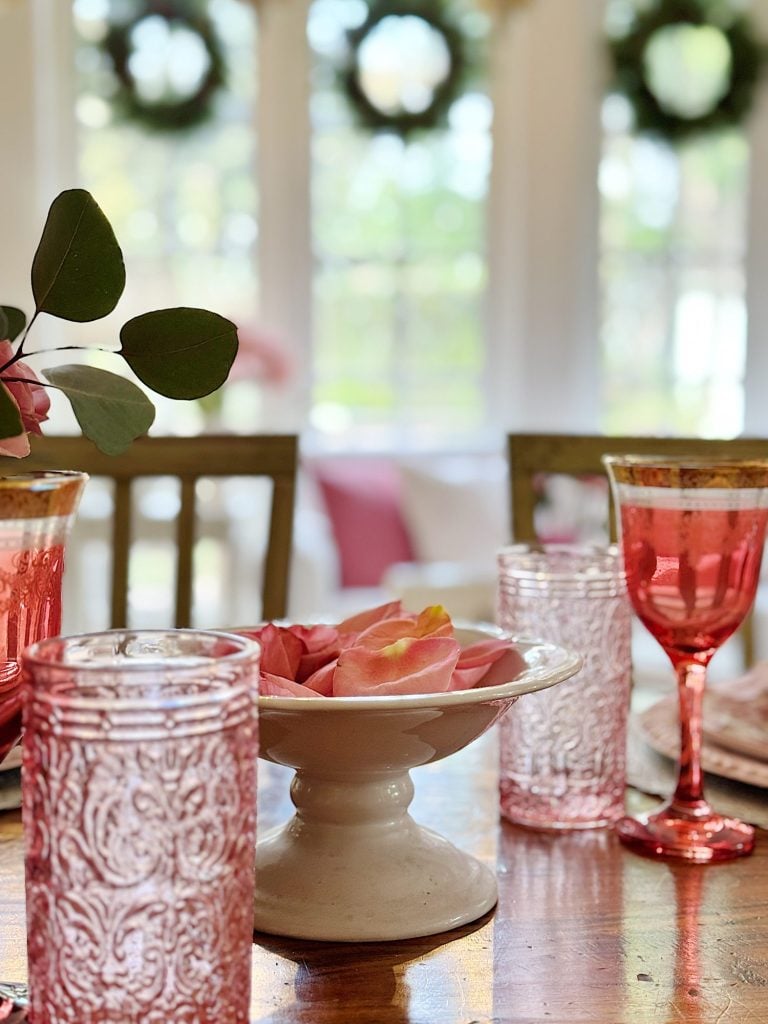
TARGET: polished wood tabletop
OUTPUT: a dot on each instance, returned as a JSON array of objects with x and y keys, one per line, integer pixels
[{"x": 584, "y": 930}]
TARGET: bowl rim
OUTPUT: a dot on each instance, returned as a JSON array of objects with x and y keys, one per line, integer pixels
[{"x": 559, "y": 664}]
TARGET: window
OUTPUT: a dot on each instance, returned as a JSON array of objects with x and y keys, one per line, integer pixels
[
  {"x": 673, "y": 241},
  {"x": 399, "y": 246},
  {"x": 183, "y": 204}
]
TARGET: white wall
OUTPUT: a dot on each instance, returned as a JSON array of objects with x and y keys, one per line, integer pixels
[
  {"x": 37, "y": 124},
  {"x": 756, "y": 380}
]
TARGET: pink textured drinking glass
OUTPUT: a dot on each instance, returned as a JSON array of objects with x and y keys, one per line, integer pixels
[
  {"x": 36, "y": 514},
  {"x": 692, "y": 534},
  {"x": 139, "y": 808},
  {"x": 563, "y": 751}
]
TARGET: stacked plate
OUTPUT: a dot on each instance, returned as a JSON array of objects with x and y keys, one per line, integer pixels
[{"x": 735, "y": 728}]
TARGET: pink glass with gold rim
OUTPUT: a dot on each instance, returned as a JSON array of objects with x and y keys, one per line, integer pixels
[
  {"x": 692, "y": 535},
  {"x": 37, "y": 511}
]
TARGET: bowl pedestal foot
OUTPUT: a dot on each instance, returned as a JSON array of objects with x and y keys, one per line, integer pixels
[{"x": 353, "y": 866}]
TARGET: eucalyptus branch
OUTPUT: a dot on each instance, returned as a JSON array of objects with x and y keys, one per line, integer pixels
[
  {"x": 69, "y": 348},
  {"x": 28, "y": 380},
  {"x": 14, "y": 359},
  {"x": 20, "y": 349},
  {"x": 78, "y": 274}
]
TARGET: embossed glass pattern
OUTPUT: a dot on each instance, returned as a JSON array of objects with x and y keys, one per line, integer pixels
[
  {"x": 563, "y": 751},
  {"x": 139, "y": 791}
]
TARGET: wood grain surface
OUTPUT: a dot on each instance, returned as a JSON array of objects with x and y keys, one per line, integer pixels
[{"x": 584, "y": 930}]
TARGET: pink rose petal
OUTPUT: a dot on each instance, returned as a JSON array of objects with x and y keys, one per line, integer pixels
[
  {"x": 281, "y": 649},
  {"x": 476, "y": 660},
  {"x": 276, "y": 686},
  {"x": 484, "y": 652},
  {"x": 433, "y": 621},
  {"x": 321, "y": 681},
  {"x": 312, "y": 663},
  {"x": 505, "y": 669},
  {"x": 322, "y": 644},
  {"x": 421, "y": 665},
  {"x": 315, "y": 638},
  {"x": 357, "y": 623}
]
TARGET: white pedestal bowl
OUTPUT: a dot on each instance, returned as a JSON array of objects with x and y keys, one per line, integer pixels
[{"x": 352, "y": 865}]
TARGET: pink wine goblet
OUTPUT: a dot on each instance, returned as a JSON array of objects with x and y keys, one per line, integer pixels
[{"x": 692, "y": 536}]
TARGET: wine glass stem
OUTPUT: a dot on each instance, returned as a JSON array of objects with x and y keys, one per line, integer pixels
[{"x": 689, "y": 792}]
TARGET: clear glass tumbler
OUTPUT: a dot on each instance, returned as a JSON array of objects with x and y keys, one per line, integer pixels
[
  {"x": 139, "y": 805},
  {"x": 563, "y": 751}
]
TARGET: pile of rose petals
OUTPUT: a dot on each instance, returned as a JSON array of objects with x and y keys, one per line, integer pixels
[{"x": 380, "y": 652}]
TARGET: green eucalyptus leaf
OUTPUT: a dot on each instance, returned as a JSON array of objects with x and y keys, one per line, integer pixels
[
  {"x": 111, "y": 410},
  {"x": 78, "y": 272},
  {"x": 12, "y": 323},
  {"x": 180, "y": 353},
  {"x": 10, "y": 417}
]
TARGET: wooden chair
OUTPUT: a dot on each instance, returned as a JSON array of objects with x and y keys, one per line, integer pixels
[
  {"x": 530, "y": 455},
  {"x": 188, "y": 460}
]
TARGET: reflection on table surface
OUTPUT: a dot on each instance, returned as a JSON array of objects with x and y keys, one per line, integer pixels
[{"x": 584, "y": 930}]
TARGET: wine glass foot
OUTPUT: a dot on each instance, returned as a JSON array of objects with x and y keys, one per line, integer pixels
[{"x": 705, "y": 840}]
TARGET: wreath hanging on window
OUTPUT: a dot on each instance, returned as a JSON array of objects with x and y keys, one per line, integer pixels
[
  {"x": 661, "y": 112},
  {"x": 172, "y": 110},
  {"x": 398, "y": 115}
]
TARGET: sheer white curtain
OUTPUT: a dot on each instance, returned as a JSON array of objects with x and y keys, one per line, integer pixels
[
  {"x": 284, "y": 164},
  {"x": 548, "y": 76},
  {"x": 756, "y": 377}
]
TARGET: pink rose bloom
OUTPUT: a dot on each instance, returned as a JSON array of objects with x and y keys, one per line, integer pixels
[{"x": 32, "y": 400}]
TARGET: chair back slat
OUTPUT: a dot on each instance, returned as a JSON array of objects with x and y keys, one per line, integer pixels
[
  {"x": 121, "y": 552},
  {"x": 185, "y": 547}
]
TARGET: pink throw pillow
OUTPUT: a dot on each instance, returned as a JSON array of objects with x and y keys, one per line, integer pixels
[{"x": 362, "y": 499}]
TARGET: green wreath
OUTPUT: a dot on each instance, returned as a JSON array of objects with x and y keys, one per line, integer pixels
[
  {"x": 651, "y": 117},
  {"x": 404, "y": 122},
  {"x": 170, "y": 115}
]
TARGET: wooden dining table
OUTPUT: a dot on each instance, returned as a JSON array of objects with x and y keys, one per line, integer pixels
[{"x": 584, "y": 930}]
